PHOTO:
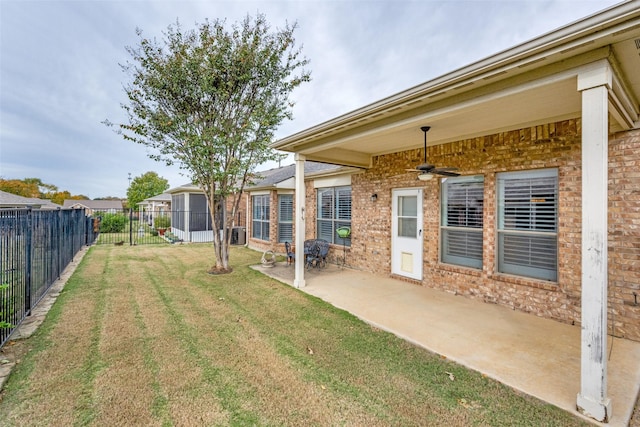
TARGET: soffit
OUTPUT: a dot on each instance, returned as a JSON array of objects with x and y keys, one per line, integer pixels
[{"x": 486, "y": 98}]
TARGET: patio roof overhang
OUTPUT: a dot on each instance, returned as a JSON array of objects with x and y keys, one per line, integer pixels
[
  {"x": 588, "y": 69},
  {"x": 531, "y": 84}
]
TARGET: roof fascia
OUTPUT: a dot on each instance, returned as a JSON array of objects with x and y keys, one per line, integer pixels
[
  {"x": 536, "y": 78},
  {"x": 344, "y": 170},
  {"x": 535, "y": 54}
]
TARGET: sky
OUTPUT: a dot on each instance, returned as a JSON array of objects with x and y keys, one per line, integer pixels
[{"x": 60, "y": 74}]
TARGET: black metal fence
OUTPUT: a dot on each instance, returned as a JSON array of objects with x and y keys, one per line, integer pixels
[
  {"x": 124, "y": 227},
  {"x": 35, "y": 247}
]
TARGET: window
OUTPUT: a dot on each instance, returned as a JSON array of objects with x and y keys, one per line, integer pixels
[
  {"x": 527, "y": 223},
  {"x": 199, "y": 217},
  {"x": 334, "y": 211},
  {"x": 260, "y": 215},
  {"x": 407, "y": 216},
  {"x": 178, "y": 212},
  {"x": 285, "y": 218},
  {"x": 461, "y": 224}
]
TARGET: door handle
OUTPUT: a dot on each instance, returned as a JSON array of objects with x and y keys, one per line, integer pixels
[{"x": 420, "y": 233}]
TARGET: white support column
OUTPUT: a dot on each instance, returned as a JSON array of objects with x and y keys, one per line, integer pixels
[
  {"x": 187, "y": 214},
  {"x": 594, "y": 84},
  {"x": 298, "y": 280}
]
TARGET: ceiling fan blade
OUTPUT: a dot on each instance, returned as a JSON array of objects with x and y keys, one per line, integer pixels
[
  {"x": 444, "y": 172},
  {"x": 428, "y": 169},
  {"x": 425, "y": 167}
]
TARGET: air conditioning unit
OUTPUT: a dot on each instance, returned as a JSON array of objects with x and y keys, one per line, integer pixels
[{"x": 238, "y": 236}]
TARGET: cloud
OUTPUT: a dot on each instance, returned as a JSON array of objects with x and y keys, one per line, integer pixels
[{"x": 60, "y": 75}]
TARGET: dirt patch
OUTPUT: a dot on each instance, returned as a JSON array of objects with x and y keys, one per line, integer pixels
[{"x": 220, "y": 270}]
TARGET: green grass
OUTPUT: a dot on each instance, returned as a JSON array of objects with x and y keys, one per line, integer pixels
[
  {"x": 163, "y": 342},
  {"x": 145, "y": 238}
]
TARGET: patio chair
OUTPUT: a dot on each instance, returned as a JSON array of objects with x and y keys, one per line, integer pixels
[
  {"x": 311, "y": 253},
  {"x": 323, "y": 251},
  {"x": 291, "y": 256}
]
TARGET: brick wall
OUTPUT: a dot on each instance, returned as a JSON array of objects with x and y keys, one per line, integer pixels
[
  {"x": 553, "y": 145},
  {"x": 240, "y": 216},
  {"x": 624, "y": 233},
  {"x": 271, "y": 244}
]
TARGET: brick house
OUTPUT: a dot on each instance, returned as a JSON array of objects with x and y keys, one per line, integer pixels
[
  {"x": 545, "y": 215},
  {"x": 155, "y": 206},
  {"x": 94, "y": 206}
]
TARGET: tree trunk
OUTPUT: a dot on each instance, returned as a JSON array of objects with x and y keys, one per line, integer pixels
[{"x": 220, "y": 243}]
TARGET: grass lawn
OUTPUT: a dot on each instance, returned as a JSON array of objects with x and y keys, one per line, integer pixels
[
  {"x": 140, "y": 233},
  {"x": 143, "y": 335}
]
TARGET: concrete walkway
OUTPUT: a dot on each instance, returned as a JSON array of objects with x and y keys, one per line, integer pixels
[{"x": 537, "y": 356}]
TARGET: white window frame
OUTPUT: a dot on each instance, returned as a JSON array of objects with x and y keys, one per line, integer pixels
[
  {"x": 527, "y": 229},
  {"x": 260, "y": 214},
  {"x": 461, "y": 221},
  {"x": 285, "y": 218},
  {"x": 331, "y": 212}
]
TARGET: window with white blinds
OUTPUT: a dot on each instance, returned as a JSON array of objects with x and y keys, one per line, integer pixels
[
  {"x": 285, "y": 218},
  {"x": 334, "y": 211},
  {"x": 527, "y": 223},
  {"x": 260, "y": 217},
  {"x": 462, "y": 221}
]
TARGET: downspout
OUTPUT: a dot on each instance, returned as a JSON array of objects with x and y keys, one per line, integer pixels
[{"x": 246, "y": 221}]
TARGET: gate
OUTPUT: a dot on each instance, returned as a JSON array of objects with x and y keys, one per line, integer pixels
[
  {"x": 131, "y": 227},
  {"x": 143, "y": 227}
]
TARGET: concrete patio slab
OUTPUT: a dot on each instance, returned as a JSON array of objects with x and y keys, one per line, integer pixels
[{"x": 536, "y": 356}]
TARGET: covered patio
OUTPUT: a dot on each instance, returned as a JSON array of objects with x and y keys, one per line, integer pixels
[
  {"x": 537, "y": 356},
  {"x": 564, "y": 104}
]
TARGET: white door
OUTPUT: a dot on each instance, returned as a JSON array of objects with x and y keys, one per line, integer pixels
[{"x": 406, "y": 229}]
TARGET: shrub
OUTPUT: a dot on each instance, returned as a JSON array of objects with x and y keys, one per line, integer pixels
[
  {"x": 162, "y": 222},
  {"x": 5, "y": 302},
  {"x": 113, "y": 223}
]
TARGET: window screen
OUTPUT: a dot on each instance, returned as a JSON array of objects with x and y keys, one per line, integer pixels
[
  {"x": 334, "y": 211},
  {"x": 260, "y": 217},
  {"x": 199, "y": 217},
  {"x": 462, "y": 221},
  {"x": 527, "y": 223},
  {"x": 285, "y": 218}
]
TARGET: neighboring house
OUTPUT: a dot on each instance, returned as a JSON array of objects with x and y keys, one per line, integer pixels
[
  {"x": 544, "y": 215},
  {"x": 9, "y": 200},
  {"x": 271, "y": 198},
  {"x": 156, "y": 206},
  {"x": 191, "y": 217},
  {"x": 94, "y": 206}
]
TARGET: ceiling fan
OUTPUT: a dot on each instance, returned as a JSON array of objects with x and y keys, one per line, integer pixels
[{"x": 427, "y": 170}]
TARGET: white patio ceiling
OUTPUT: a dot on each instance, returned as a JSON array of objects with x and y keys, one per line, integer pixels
[{"x": 531, "y": 84}]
